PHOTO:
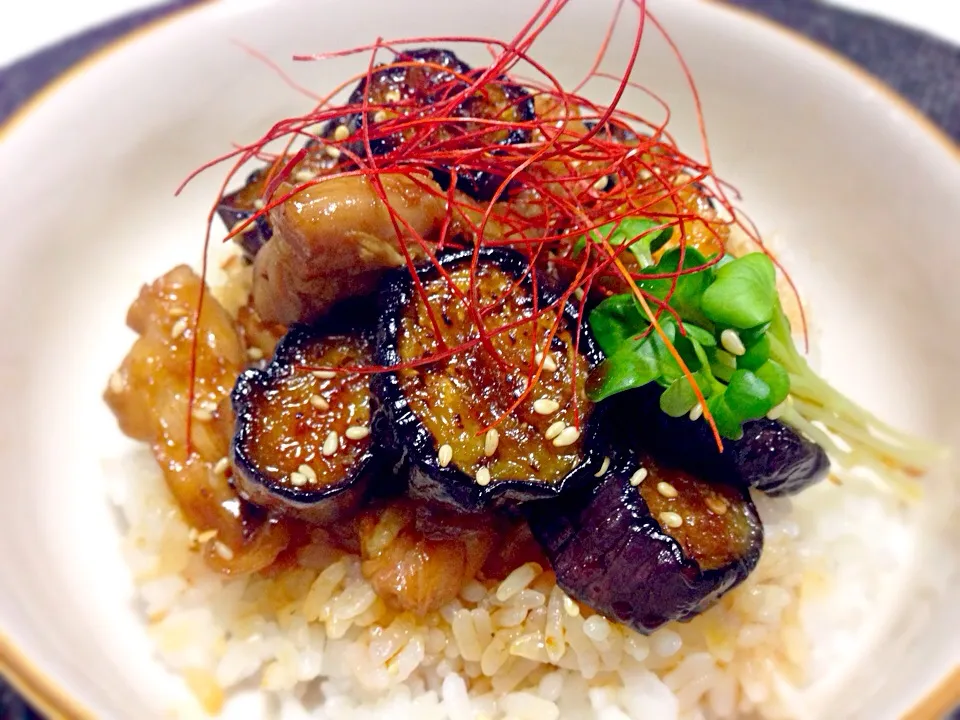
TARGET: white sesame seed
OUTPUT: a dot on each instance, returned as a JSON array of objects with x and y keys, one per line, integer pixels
[
  {"x": 696, "y": 412},
  {"x": 304, "y": 175},
  {"x": 192, "y": 536},
  {"x": 333, "y": 152},
  {"x": 491, "y": 441},
  {"x": 545, "y": 406},
  {"x": 555, "y": 430},
  {"x": 730, "y": 339},
  {"x": 331, "y": 443},
  {"x": 341, "y": 133},
  {"x": 601, "y": 183},
  {"x": 298, "y": 479},
  {"x": 380, "y": 116},
  {"x": 716, "y": 504},
  {"x": 179, "y": 328},
  {"x": 317, "y": 129},
  {"x": 603, "y": 468},
  {"x": 666, "y": 489},
  {"x": 549, "y": 364},
  {"x": 223, "y": 551},
  {"x": 392, "y": 96},
  {"x": 671, "y": 519},
  {"x": 221, "y": 467},
  {"x": 483, "y": 477},
  {"x": 638, "y": 477},
  {"x": 578, "y": 293},
  {"x": 776, "y": 411},
  {"x": 205, "y": 536},
  {"x": 356, "y": 432},
  {"x": 259, "y": 204},
  {"x": 319, "y": 403},
  {"x": 568, "y": 436},
  {"x": 324, "y": 374},
  {"x": 308, "y": 472},
  {"x": 444, "y": 455},
  {"x": 570, "y": 607},
  {"x": 116, "y": 382},
  {"x": 254, "y": 353},
  {"x": 241, "y": 227}
]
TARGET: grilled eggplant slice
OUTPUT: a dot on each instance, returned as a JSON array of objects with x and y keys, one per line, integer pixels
[
  {"x": 448, "y": 417},
  {"x": 421, "y": 78},
  {"x": 302, "y": 444},
  {"x": 644, "y": 554},
  {"x": 771, "y": 457}
]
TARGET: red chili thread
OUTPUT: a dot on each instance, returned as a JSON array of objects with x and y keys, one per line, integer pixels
[{"x": 553, "y": 177}]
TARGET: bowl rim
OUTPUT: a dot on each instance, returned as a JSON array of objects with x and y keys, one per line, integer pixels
[{"x": 56, "y": 702}]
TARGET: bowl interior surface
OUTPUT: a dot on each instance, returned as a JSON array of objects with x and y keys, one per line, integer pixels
[{"x": 858, "y": 198}]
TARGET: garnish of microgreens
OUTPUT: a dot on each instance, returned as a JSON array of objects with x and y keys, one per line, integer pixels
[{"x": 737, "y": 345}]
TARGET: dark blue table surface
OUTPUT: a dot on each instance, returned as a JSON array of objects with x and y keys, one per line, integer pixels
[{"x": 925, "y": 70}]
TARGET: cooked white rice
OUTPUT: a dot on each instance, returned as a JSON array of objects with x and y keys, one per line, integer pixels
[{"x": 321, "y": 644}]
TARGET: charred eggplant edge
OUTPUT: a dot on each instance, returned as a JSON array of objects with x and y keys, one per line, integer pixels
[
  {"x": 478, "y": 184},
  {"x": 231, "y": 214},
  {"x": 403, "y": 430},
  {"x": 343, "y": 496},
  {"x": 771, "y": 456}
]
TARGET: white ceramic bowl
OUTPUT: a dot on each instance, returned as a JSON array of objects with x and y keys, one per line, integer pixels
[{"x": 863, "y": 193}]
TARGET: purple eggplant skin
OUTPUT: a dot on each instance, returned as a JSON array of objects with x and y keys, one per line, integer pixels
[
  {"x": 436, "y": 76},
  {"x": 770, "y": 456},
  {"x": 423, "y": 88},
  {"x": 403, "y": 431},
  {"x": 252, "y": 479},
  {"x": 237, "y": 207},
  {"x": 611, "y": 554}
]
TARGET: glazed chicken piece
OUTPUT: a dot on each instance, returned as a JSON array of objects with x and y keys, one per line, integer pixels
[
  {"x": 419, "y": 559},
  {"x": 334, "y": 240},
  {"x": 258, "y": 334},
  {"x": 149, "y": 394}
]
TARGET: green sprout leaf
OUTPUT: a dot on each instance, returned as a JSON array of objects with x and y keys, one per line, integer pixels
[
  {"x": 633, "y": 366},
  {"x": 777, "y": 379},
  {"x": 744, "y": 293},
  {"x": 704, "y": 338},
  {"x": 723, "y": 365},
  {"x": 643, "y": 235},
  {"x": 666, "y": 364},
  {"x": 747, "y": 396},
  {"x": 679, "y": 399},
  {"x": 756, "y": 355},
  {"x": 689, "y": 287},
  {"x": 615, "y": 321},
  {"x": 727, "y": 421}
]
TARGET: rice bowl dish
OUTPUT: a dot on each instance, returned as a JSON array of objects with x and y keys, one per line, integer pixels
[{"x": 401, "y": 532}]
